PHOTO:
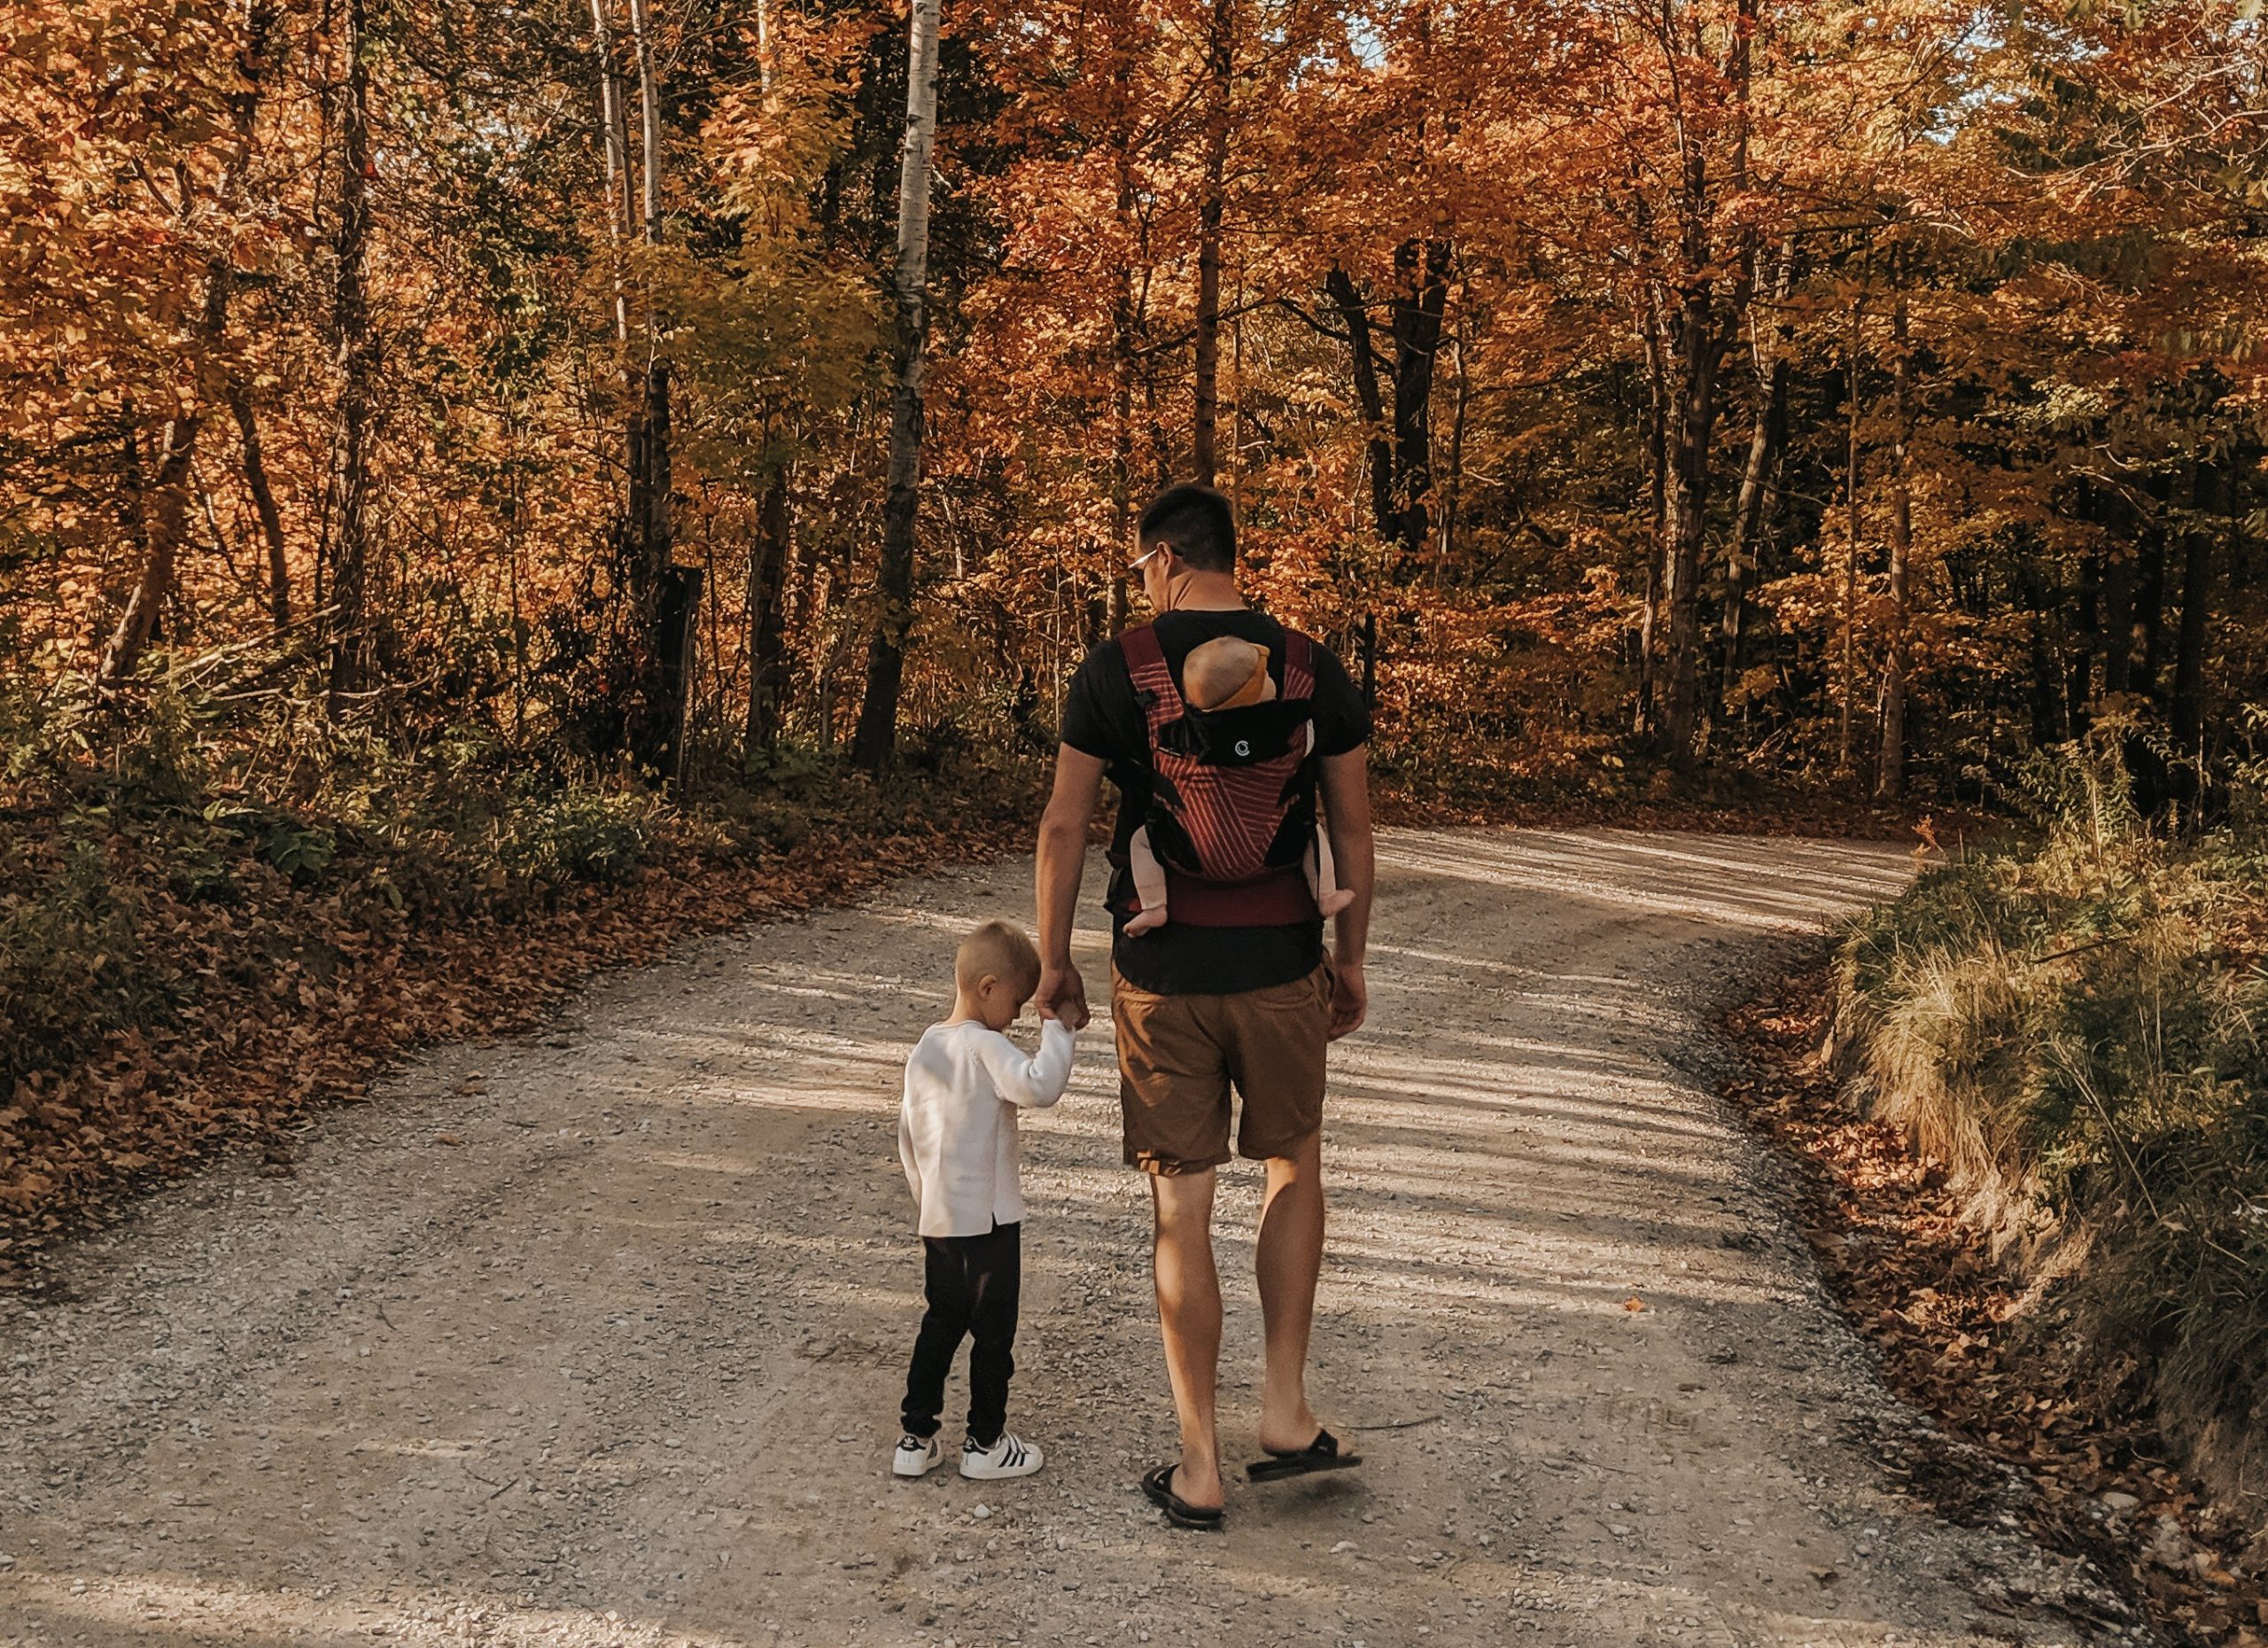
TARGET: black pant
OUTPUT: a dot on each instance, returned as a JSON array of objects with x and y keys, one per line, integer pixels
[{"x": 971, "y": 1283}]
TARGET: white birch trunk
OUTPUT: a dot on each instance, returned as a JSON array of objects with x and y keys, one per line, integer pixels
[
  {"x": 877, "y": 736},
  {"x": 649, "y": 104},
  {"x": 617, "y": 162},
  {"x": 913, "y": 180}
]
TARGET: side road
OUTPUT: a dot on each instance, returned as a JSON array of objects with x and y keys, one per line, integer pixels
[{"x": 595, "y": 1338}]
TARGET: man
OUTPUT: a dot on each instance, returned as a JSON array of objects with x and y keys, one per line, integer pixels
[{"x": 1201, "y": 1006}]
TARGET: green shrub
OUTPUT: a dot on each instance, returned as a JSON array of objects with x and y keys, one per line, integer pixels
[
  {"x": 584, "y": 835},
  {"x": 299, "y": 848}
]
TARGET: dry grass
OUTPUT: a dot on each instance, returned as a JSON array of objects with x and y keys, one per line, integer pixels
[{"x": 2074, "y": 1028}]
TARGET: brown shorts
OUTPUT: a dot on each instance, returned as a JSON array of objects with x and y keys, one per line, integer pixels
[{"x": 1179, "y": 1055}]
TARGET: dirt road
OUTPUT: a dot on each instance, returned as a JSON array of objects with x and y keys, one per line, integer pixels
[{"x": 596, "y": 1337}]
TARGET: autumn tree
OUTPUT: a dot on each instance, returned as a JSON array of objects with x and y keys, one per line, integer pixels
[{"x": 1853, "y": 395}]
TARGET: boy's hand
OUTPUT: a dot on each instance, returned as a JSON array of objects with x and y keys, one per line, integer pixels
[{"x": 1062, "y": 994}]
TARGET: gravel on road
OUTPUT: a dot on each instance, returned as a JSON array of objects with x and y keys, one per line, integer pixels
[{"x": 595, "y": 1337}]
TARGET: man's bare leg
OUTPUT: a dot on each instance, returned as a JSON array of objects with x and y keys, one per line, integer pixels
[
  {"x": 1290, "y": 1261},
  {"x": 1189, "y": 1313}
]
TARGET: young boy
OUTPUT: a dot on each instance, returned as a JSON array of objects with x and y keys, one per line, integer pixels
[{"x": 957, "y": 1137}]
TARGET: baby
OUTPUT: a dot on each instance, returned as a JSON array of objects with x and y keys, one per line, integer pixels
[
  {"x": 957, "y": 1138},
  {"x": 1227, "y": 673}
]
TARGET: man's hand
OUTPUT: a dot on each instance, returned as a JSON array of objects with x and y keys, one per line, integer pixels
[
  {"x": 1347, "y": 801},
  {"x": 1062, "y": 856},
  {"x": 1350, "y": 999},
  {"x": 1062, "y": 994}
]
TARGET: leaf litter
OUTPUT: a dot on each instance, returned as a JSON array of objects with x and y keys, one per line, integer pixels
[{"x": 1949, "y": 1323}]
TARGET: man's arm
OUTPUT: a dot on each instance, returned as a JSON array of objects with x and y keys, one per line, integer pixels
[
  {"x": 1346, "y": 812},
  {"x": 1062, "y": 861}
]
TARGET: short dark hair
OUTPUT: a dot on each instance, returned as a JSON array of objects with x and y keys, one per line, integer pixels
[{"x": 1197, "y": 522}]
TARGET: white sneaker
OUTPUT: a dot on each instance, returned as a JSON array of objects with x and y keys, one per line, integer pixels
[
  {"x": 916, "y": 1457},
  {"x": 1011, "y": 1456}
]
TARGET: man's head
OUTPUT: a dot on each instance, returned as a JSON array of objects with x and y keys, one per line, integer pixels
[
  {"x": 1187, "y": 529},
  {"x": 994, "y": 971}
]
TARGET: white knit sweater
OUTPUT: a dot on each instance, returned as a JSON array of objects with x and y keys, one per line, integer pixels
[{"x": 957, "y": 1126}]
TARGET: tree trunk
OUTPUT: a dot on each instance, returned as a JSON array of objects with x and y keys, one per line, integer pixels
[
  {"x": 1122, "y": 548},
  {"x": 1658, "y": 501},
  {"x": 1757, "y": 493},
  {"x": 661, "y": 589},
  {"x": 767, "y": 595},
  {"x": 2078, "y": 676},
  {"x": 349, "y": 628},
  {"x": 1453, "y": 490},
  {"x": 1122, "y": 501},
  {"x": 650, "y": 107},
  {"x": 1368, "y": 399},
  {"x": 168, "y": 525},
  {"x": 1703, "y": 330},
  {"x": 676, "y": 629},
  {"x": 669, "y": 595},
  {"x": 1384, "y": 517},
  {"x": 2050, "y": 716},
  {"x": 660, "y": 599},
  {"x": 1220, "y": 69},
  {"x": 1236, "y": 440},
  {"x": 1692, "y": 419},
  {"x": 264, "y": 501},
  {"x": 1890, "y": 766},
  {"x": 2117, "y": 640},
  {"x": 2188, "y": 709},
  {"x": 162, "y": 533},
  {"x": 2147, "y": 628},
  {"x": 220, "y": 538},
  {"x": 614, "y": 144},
  {"x": 626, "y": 715},
  {"x": 1754, "y": 504},
  {"x": 1421, "y": 297},
  {"x": 1844, "y": 744},
  {"x": 876, "y": 739}
]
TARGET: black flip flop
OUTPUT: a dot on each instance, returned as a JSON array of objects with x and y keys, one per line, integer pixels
[
  {"x": 1322, "y": 1454},
  {"x": 1157, "y": 1487}
]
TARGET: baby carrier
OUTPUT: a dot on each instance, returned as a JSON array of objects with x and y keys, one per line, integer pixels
[{"x": 1233, "y": 792}]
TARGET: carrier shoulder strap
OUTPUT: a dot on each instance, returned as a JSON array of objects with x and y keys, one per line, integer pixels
[
  {"x": 1299, "y": 664},
  {"x": 1154, "y": 688}
]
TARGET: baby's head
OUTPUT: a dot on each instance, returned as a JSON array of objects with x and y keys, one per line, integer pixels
[
  {"x": 1226, "y": 673},
  {"x": 994, "y": 971}
]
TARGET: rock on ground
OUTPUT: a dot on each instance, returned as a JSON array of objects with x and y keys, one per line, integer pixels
[{"x": 596, "y": 1337}]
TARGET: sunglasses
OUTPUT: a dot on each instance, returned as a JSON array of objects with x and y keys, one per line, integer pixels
[{"x": 1148, "y": 555}]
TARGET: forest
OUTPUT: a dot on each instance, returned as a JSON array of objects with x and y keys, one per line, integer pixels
[{"x": 1852, "y": 395}]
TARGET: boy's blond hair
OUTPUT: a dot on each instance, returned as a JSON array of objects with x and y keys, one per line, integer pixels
[{"x": 1004, "y": 952}]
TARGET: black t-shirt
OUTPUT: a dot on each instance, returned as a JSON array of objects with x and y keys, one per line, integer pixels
[{"x": 1102, "y": 718}]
